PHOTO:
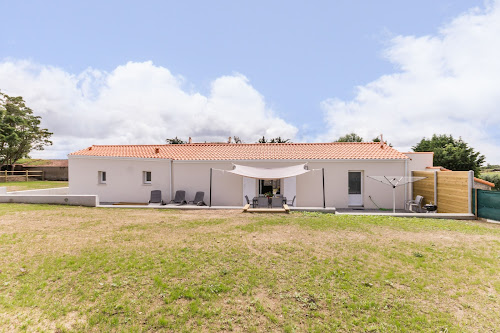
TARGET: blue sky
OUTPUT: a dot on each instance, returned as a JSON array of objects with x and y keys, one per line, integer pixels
[{"x": 298, "y": 65}]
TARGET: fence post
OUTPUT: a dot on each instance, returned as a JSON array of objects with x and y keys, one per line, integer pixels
[
  {"x": 43, "y": 175},
  {"x": 27, "y": 175},
  {"x": 471, "y": 186},
  {"x": 475, "y": 206}
]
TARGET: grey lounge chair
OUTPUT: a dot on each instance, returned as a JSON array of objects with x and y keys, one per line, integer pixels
[
  {"x": 262, "y": 202},
  {"x": 276, "y": 202},
  {"x": 198, "y": 199},
  {"x": 293, "y": 201},
  {"x": 417, "y": 203},
  {"x": 156, "y": 197},
  {"x": 248, "y": 200},
  {"x": 180, "y": 198}
]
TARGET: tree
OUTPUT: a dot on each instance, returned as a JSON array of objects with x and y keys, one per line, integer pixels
[
  {"x": 451, "y": 153},
  {"x": 20, "y": 130},
  {"x": 274, "y": 140},
  {"x": 237, "y": 139},
  {"x": 175, "y": 141},
  {"x": 351, "y": 137}
]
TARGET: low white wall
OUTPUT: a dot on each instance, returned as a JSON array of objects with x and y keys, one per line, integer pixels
[
  {"x": 72, "y": 200},
  {"x": 3, "y": 190},
  {"x": 54, "y": 191}
]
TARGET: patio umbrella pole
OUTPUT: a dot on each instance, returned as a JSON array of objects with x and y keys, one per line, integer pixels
[{"x": 210, "y": 202}]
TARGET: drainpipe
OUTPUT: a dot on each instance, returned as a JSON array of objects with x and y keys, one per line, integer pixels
[
  {"x": 171, "y": 179},
  {"x": 210, "y": 201},
  {"x": 406, "y": 183}
]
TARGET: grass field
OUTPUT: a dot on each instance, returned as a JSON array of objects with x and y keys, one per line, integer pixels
[
  {"x": 32, "y": 185},
  {"x": 88, "y": 269}
]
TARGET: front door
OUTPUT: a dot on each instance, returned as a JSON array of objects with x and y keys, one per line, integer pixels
[{"x": 355, "y": 188}]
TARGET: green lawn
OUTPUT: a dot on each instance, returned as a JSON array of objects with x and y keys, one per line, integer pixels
[
  {"x": 95, "y": 269},
  {"x": 32, "y": 185}
]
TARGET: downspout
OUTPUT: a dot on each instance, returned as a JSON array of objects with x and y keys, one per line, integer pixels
[
  {"x": 171, "y": 180},
  {"x": 406, "y": 183}
]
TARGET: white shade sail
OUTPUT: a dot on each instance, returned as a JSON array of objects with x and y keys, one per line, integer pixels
[{"x": 269, "y": 173}]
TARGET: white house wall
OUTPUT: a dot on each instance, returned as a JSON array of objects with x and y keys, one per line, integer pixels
[
  {"x": 125, "y": 183},
  {"x": 124, "y": 178},
  {"x": 227, "y": 188}
]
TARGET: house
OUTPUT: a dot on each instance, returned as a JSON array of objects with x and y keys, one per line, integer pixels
[
  {"x": 52, "y": 169},
  {"x": 128, "y": 173}
]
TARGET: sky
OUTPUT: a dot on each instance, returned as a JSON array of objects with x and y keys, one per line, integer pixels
[{"x": 129, "y": 72}]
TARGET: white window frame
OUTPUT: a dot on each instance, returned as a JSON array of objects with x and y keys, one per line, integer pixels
[
  {"x": 145, "y": 177},
  {"x": 101, "y": 177}
]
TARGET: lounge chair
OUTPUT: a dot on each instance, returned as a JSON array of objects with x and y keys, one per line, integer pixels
[
  {"x": 293, "y": 201},
  {"x": 262, "y": 202},
  {"x": 180, "y": 198},
  {"x": 276, "y": 202},
  {"x": 156, "y": 198},
  {"x": 417, "y": 203},
  {"x": 198, "y": 199},
  {"x": 247, "y": 199}
]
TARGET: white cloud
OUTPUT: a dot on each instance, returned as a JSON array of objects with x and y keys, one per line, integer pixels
[
  {"x": 448, "y": 83},
  {"x": 137, "y": 103}
]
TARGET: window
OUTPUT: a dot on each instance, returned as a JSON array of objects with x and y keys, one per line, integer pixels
[
  {"x": 146, "y": 177},
  {"x": 269, "y": 186},
  {"x": 102, "y": 177}
]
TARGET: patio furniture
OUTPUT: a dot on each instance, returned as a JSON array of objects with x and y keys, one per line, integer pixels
[
  {"x": 276, "y": 202},
  {"x": 156, "y": 197},
  {"x": 411, "y": 201},
  {"x": 198, "y": 199},
  {"x": 430, "y": 208},
  {"x": 293, "y": 201},
  {"x": 417, "y": 203},
  {"x": 180, "y": 197},
  {"x": 262, "y": 202}
]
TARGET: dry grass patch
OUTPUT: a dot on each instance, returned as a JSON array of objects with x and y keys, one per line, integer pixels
[{"x": 87, "y": 269}]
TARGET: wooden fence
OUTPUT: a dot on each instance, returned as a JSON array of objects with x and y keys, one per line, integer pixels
[
  {"x": 14, "y": 176},
  {"x": 449, "y": 190}
]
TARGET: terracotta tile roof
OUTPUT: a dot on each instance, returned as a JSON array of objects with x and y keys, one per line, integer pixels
[
  {"x": 46, "y": 163},
  {"x": 254, "y": 151},
  {"x": 485, "y": 182}
]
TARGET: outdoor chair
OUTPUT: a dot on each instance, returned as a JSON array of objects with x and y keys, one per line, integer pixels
[
  {"x": 262, "y": 202},
  {"x": 417, "y": 203},
  {"x": 180, "y": 198},
  {"x": 293, "y": 201},
  {"x": 276, "y": 202},
  {"x": 248, "y": 201},
  {"x": 156, "y": 198},
  {"x": 198, "y": 199}
]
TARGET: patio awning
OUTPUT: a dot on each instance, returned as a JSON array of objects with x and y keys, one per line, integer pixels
[{"x": 269, "y": 173}]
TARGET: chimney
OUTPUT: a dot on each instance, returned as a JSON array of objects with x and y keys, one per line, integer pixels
[
  {"x": 190, "y": 140},
  {"x": 157, "y": 150},
  {"x": 229, "y": 140},
  {"x": 381, "y": 141}
]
